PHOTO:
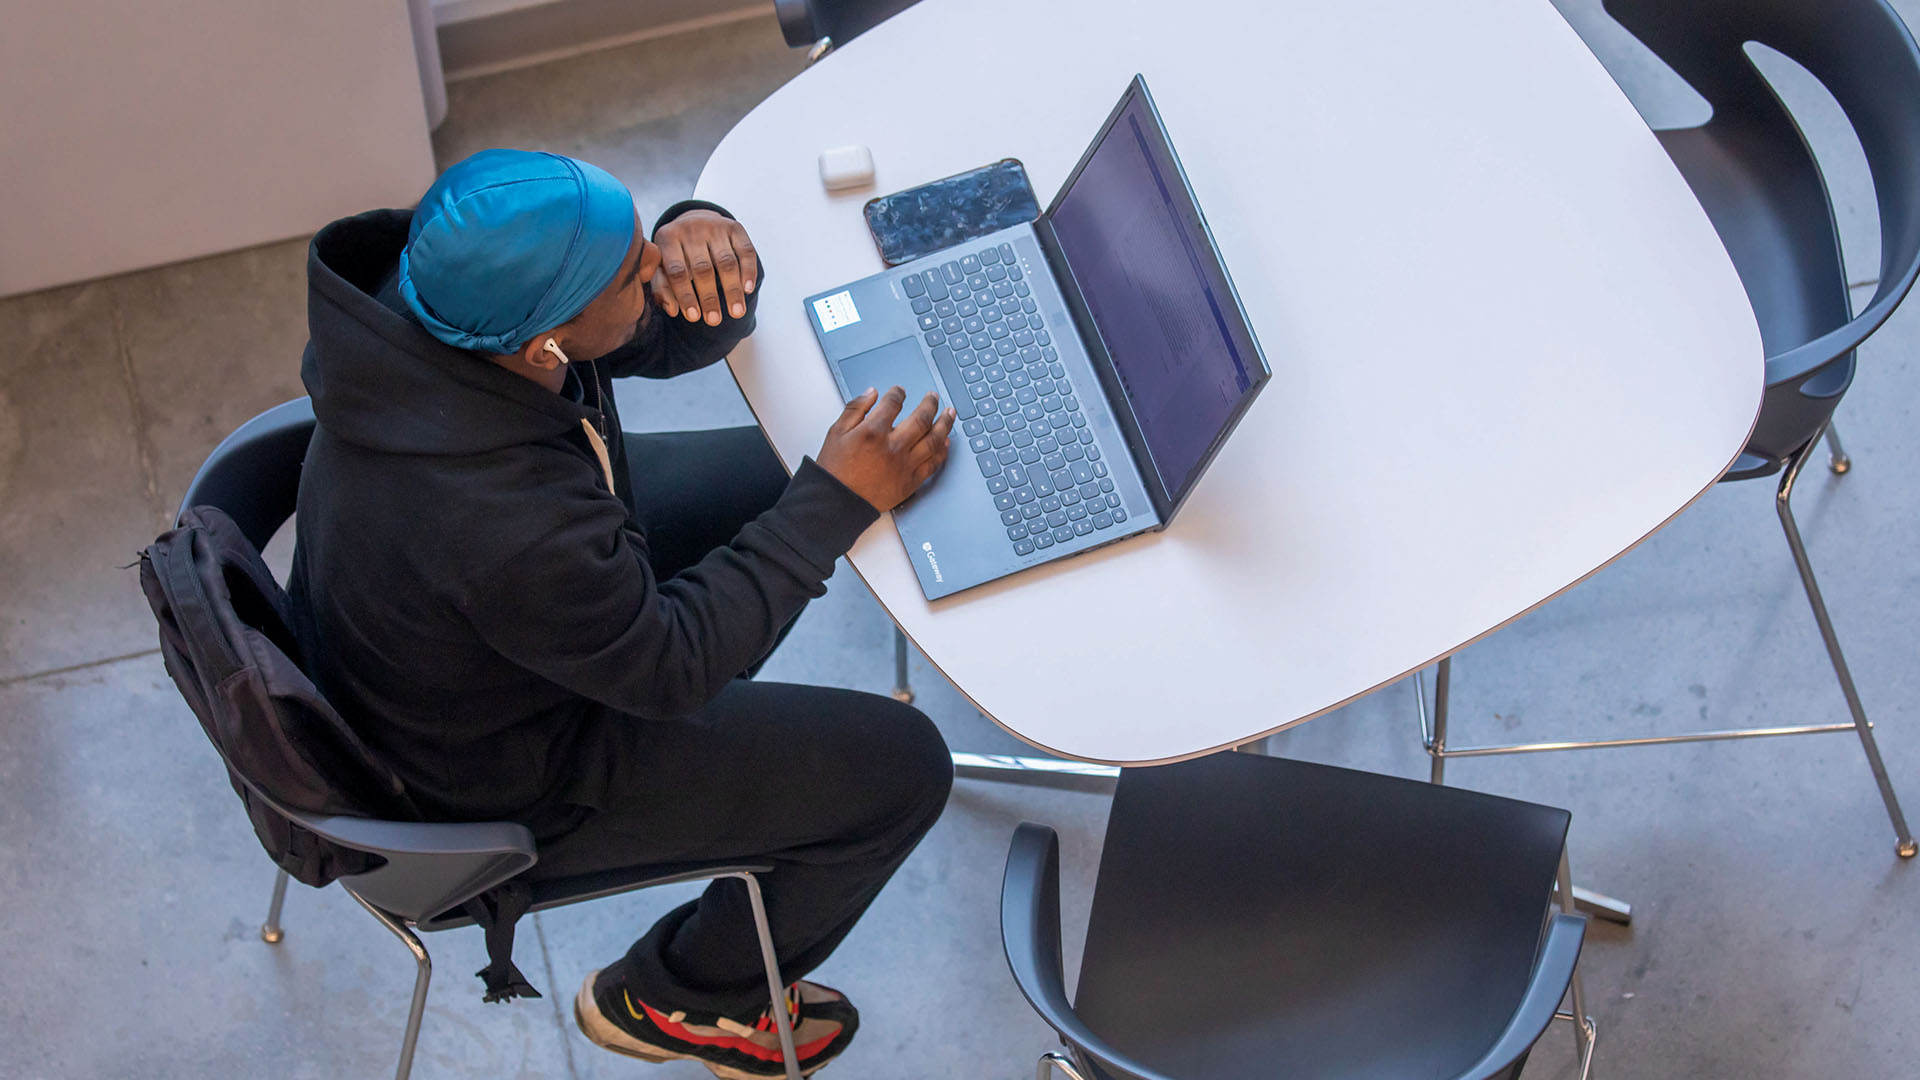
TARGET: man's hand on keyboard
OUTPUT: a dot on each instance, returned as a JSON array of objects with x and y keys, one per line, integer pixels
[{"x": 883, "y": 463}]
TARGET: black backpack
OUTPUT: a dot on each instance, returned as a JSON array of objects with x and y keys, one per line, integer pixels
[{"x": 226, "y": 636}]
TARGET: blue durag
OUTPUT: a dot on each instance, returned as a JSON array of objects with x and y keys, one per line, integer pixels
[{"x": 508, "y": 244}]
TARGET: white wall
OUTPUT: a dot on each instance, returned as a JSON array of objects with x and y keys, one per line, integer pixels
[
  {"x": 139, "y": 132},
  {"x": 480, "y": 37}
]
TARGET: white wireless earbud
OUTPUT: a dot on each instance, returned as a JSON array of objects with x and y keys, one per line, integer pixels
[{"x": 553, "y": 347}]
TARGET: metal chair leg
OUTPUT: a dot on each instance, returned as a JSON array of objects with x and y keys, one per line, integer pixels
[
  {"x": 422, "y": 975},
  {"x": 1837, "y": 458},
  {"x": 1050, "y": 1061},
  {"x": 270, "y": 931},
  {"x": 902, "y": 683},
  {"x": 1584, "y": 1028},
  {"x": 776, "y": 986},
  {"x": 1783, "y": 502}
]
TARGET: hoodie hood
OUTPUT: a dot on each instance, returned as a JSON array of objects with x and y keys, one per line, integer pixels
[{"x": 379, "y": 380}]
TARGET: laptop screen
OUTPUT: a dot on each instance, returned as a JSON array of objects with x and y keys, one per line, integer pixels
[{"x": 1145, "y": 267}]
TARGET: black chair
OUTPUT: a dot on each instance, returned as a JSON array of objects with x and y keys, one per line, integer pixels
[
  {"x": 1762, "y": 189},
  {"x": 431, "y": 870},
  {"x": 1256, "y": 916},
  {"x": 821, "y": 25}
]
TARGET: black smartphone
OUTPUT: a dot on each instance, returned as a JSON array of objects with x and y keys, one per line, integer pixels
[{"x": 920, "y": 221}]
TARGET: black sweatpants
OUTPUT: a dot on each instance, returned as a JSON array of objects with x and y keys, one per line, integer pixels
[{"x": 832, "y": 788}]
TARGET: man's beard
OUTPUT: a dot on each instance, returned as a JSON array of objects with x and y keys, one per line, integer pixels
[{"x": 646, "y": 312}]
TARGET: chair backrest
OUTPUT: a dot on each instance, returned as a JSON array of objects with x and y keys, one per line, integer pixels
[
  {"x": 227, "y": 642},
  {"x": 1328, "y": 922},
  {"x": 423, "y": 869},
  {"x": 253, "y": 476},
  {"x": 1866, "y": 58},
  {"x": 805, "y": 22}
]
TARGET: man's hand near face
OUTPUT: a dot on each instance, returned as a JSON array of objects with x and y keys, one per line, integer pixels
[{"x": 707, "y": 267}]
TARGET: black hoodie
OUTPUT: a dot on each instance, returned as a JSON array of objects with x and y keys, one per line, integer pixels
[{"x": 470, "y": 594}]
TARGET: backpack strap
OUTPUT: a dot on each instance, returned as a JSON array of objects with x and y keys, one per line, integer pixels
[{"x": 497, "y": 910}]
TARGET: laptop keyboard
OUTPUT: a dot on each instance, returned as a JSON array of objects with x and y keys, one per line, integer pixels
[{"x": 1017, "y": 410}]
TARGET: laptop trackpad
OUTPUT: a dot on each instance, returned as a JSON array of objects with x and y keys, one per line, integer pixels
[{"x": 898, "y": 364}]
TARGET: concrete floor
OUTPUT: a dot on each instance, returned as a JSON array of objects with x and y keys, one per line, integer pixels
[{"x": 1775, "y": 934}]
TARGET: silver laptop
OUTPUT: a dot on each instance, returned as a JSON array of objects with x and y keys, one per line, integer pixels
[{"x": 1096, "y": 358}]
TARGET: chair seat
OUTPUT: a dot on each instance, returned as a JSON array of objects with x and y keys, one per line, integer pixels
[
  {"x": 560, "y": 892},
  {"x": 1257, "y": 916}
]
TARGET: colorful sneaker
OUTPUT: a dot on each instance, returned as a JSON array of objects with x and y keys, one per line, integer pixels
[{"x": 823, "y": 1024}]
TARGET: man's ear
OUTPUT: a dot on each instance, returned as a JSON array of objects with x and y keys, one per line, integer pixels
[{"x": 544, "y": 352}]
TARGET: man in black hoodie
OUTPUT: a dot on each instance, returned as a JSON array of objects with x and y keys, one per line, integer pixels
[{"x": 536, "y": 617}]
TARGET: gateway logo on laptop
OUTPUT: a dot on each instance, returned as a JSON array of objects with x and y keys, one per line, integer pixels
[{"x": 932, "y": 559}]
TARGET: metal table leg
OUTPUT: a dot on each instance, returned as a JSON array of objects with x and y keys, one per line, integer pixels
[
  {"x": 1602, "y": 906},
  {"x": 1036, "y": 772}
]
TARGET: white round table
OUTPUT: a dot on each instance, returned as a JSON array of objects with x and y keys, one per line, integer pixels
[{"x": 1506, "y": 342}]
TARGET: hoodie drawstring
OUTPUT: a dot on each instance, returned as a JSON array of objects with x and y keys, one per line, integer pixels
[{"x": 600, "y": 451}]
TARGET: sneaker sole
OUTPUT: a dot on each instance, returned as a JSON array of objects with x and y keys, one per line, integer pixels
[{"x": 605, "y": 1035}]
